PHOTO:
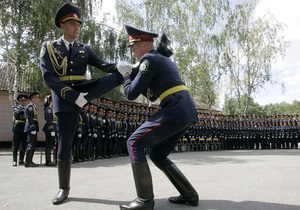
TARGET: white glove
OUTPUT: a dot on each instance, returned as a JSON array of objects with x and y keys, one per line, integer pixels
[
  {"x": 33, "y": 132},
  {"x": 52, "y": 133},
  {"x": 95, "y": 135},
  {"x": 90, "y": 134},
  {"x": 81, "y": 101},
  {"x": 79, "y": 135},
  {"x": 124, "y": 68}
]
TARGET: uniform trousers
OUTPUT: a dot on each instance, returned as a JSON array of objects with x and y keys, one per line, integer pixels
[
  {"x": 19, "y": 140},
  {"x": 160, "y": 137},
  {"x": 31, "y": 141},
  {"x": 67, "y": 121}
]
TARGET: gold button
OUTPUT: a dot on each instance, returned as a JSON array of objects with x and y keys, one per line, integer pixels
[{"x": 71, "y": 62}]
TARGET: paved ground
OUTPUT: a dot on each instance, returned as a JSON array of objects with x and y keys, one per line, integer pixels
[{"x": 225, "y": 180}]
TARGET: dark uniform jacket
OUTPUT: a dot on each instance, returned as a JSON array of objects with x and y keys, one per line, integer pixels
[
  {"x": 50, "y": 118},
  {"x": 157, "y": 74},
  {"x": 19, "y": 119},
  {"x": 55, "y": 64},
  {"x": 31, "y": 116}
]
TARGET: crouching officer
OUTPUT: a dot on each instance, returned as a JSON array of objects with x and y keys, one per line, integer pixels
[
  {"x": 31, "y": 127},
  {"x": 158, "y": 77},
  {"x": 49, "y": 129}
]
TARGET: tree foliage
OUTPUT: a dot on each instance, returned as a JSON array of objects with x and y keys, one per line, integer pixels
[
  {"x": 191, "y": 25},
  {"x": 213, "y": 40},
  {"x": 25, "y": 24},
  {"x": 251, "y": 46}
]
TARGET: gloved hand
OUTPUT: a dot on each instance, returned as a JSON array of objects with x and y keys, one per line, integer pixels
[
  {"x": 52, "y": 133},
  {"x": 33, "y": 132},
  {"x": 124, "y": 68},
  {"x": 79, "y": 135},
  {"x": 95, "y": 135},
  {"x": 81, "y": 101}
]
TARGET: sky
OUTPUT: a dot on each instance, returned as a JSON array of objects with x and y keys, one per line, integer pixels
[{"x": 285, "y": 70}]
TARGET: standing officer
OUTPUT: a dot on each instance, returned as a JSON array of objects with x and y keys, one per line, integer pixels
[
  {"x": 31, "y": 127},
  {"x": 49, "y": 129},
  {"x": 63, "y": 64},
  {"x": 158, "y": 77},
  {"x": 19, "y": 138}
]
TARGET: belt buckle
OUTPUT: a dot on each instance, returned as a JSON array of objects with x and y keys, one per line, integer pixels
[{"x": 70, "y": 77}]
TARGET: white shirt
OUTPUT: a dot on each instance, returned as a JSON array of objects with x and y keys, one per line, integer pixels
[{"x": 67, "y": 43}]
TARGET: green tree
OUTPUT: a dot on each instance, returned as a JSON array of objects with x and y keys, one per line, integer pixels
[
  {"x": 25, "y": 24},
  {"x": 252, "y": 45},
  {"x": 191, "y": 25}
]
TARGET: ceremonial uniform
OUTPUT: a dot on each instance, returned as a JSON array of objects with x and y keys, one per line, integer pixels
[
  {"x": 77, "y": 141},
  {"x": 63, "y": 64},
  {"x": 86, "y": 131},
  {"x": 19, "y": 137},
  {"x": 49, "y": 130},
  {"x": 31, "y": 128},
  {"x": 158, "y": 77}
]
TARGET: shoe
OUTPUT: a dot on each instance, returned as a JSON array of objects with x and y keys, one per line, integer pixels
[
  {"x": 14, "y": 163},
  {"x": 60, "y": 197},
  {"x": 51, "y": 164},
  {"x": 191, "y": 200},
  {"x": 31, "y": 164}
]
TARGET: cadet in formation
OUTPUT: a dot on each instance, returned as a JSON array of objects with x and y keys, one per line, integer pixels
[
  {"x": 49, "y": 129},
  {"x": 31, "y": 127},
  {"x": 19, "y": 137}
]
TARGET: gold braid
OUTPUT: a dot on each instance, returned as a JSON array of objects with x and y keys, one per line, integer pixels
[{"x": 53, "y": 59}]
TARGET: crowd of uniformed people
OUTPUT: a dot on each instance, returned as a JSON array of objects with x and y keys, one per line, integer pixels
[
  {"x": 229, "y": 132},
  {"x": 104, "y": 126}
]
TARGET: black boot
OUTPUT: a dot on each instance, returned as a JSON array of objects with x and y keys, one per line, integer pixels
[
  {"x": 83, "y": 156},
  {"x": 55, "y": 155},
  {"x": 144, "y": 189},
  {"x": 21, "y": 157},
  {"x": 188, "y": 194},
  {"x": 48, "y": 158},
  {"x": 15, "y": 155},
  {"x": 64, "y": 174},
  {"x": 76, "y": 158},
  {"x": 28, "y": 159}
]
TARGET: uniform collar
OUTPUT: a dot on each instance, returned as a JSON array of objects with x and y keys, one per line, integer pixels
[{"x": 67, "y": 43}]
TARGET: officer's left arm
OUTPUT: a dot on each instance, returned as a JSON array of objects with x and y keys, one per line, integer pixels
[
  {"x": 98, "y": 62},
  {"x": 30, "y": 117},
  {"x": 48, "y": 119}
]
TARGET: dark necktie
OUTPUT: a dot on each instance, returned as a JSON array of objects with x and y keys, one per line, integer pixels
[{"x": 70, "y": 49}]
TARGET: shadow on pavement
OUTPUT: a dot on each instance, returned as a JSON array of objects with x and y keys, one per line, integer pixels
[{"x": 203, "y": 204}]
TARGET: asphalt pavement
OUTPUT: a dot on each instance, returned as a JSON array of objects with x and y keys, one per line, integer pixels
[{"x": 225, "y": 180}]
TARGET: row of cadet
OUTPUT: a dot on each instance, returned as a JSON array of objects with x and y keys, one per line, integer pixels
[
  {"x": 229, "y": 132},
  {"x": 104, "y": 126}
]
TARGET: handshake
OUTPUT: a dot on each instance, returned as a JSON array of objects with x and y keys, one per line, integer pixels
[{"x": 124, "y": 68}]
